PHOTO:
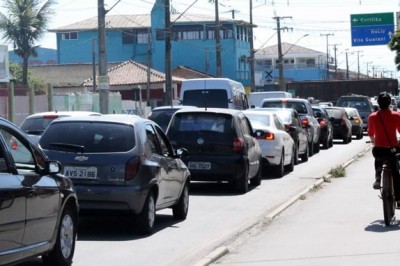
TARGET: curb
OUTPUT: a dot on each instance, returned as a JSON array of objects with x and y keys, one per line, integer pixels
[{"x": 223, "y": 250}]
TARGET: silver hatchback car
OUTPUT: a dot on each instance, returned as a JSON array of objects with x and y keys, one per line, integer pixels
[{"x": 120, "y": 163}]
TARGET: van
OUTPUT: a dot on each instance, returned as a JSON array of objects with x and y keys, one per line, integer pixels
[
  {"x": 256, "y": 98},
  {"x": 361, "y": 103},
  {"x": 214, "y": 92}
]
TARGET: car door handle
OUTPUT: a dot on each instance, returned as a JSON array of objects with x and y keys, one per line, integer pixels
[{"x": 32, "y": 192}]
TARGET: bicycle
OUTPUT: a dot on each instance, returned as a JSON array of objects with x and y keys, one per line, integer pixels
[{"x": 387, "y": 189}]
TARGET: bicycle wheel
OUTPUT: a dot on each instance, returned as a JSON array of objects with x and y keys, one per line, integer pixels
[{"x": 387, "y": 196}]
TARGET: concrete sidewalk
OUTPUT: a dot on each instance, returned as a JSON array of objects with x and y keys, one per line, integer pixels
[{"x": 339, "y": 223}]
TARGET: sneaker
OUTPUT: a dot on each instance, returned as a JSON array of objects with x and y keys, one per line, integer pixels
[{"x": 377, "y": 183}]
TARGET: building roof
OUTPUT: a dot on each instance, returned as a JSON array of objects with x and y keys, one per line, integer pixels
[
  {"x": 132, "y": 73},
  {"x": 287, "y": 48},
  {"x": 188, "y": 73},
  {"x": 138, "y": 21}
]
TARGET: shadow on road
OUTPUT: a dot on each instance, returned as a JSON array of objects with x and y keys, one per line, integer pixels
[{"x": 379, "y": 226}]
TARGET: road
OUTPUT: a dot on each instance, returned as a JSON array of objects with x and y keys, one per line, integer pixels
[
  {"x": 216, "y": 217},
  {"x": 341, "y": 224}
]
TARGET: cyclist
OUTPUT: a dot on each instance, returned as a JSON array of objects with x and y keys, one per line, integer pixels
[{"x": 383, "y": 126}]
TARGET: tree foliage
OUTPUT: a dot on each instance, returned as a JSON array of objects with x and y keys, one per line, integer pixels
[
  {"x": 16, "y": 71},
  {"x": 24, "y": 24},
  {"x": 394, "y": 45}
]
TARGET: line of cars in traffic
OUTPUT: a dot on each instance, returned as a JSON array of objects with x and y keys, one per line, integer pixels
[{"x": 125, "y": 163}]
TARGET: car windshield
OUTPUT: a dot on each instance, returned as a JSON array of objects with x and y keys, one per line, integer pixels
[
  {"x": 88, "y": 137},
  {"x": 201, "y": 122},
  {"x": 206, "y": 98},
  {"x": 335, "y": 113}
]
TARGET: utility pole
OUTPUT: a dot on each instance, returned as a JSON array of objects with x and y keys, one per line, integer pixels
[
  {"x": 217, "y": 41},
  {"x": 335, "y": 49},
  {"x": 252, "y": 78},
  {"x": 280, "y": 56},
  {"x": 168, "y": 75},
  {"x": 347, "y": 66},
  {"x": 103, "y": 77},
  {"x": 327, "y": 54}
]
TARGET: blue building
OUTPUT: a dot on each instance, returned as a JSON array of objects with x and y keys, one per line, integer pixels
[{"x": 141, "y": 38}]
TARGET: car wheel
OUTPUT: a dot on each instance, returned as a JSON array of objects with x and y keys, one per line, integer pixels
[
  {"x": 346, "y": 140},
  {"x": 331, "y": 142},
  {"x": 304, "y": 156},
  {"x": 316, "y": 147},
  {"x": 242, "y": 184},
  {"x": 280, "y": 168},
  {"x": 326, "y": 143},
  {"x": 256, "y": 180},
  {"x": 145, "y": 220},
  {"x": 180, "y": 210},
  {"x": 64, "y": 248},
  {"x": 296, "y": 157},
  {"x": 290, "y": 167},
  {"x": 360, "y": 135}
]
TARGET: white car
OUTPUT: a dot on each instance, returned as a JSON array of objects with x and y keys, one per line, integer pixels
[{"x": 276, "y": 144}]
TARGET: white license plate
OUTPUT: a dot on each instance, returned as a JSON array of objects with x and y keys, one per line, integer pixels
[
  {"x": 199, "y": 165},
  {"x": 80, "y": 172}
]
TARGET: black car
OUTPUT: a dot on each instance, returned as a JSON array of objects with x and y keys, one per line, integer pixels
[
  {"x": 341, "y": 123},
  {"x": 361, "y": 103},
  {"x": 162, "y": 114},
  {"x": 292, "y": 122},
  {"x": 221, "y": 145},
  {"x": 306, "y": 113},
  {"x": 121, "y": 163},
  {"x": 324, "y": 121},
  {"x": 38, "y": 206}
]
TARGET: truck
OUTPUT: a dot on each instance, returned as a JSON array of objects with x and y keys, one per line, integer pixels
[{"x": 331, "y": 90}]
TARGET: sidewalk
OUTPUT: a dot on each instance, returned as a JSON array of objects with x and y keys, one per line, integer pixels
[{"x": 340, "y": 223}]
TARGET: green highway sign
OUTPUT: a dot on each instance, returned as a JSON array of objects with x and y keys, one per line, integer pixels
[{"x": 372, "y": 19}]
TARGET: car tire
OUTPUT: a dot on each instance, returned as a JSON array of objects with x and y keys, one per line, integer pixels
[
  {"x": 345, "y": 140},
  {"x": 180, "y": 210},
  {"x": 326, "y": 144},
  {"x": 360, "y": 135},
  {"x": 317, "y": 147},
  {"x": 305, "y": 155},
  {"x": 280, "y": 168},
  {"x": 310, "y": 149},
  {"x": 242, "y": 183},
  {"x": 64, "y": 248},
  {"x": 290, "y": 167},
  {"x": 296, "y": 157},
  {"x": 256, "y": 180},
  {"x": 331, "y": 142},
  {"x": 145, "y": 220}
]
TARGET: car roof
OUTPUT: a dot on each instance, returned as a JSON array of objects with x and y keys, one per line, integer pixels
[
  {"x": 210, "y": 110},
  {"x": 63, "y": 113},
  {"x": 107, "y": 118},
  {"x": 177, "y": 107}
]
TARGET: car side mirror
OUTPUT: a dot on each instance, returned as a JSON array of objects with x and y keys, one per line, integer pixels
[
  {"x": 182, "y": 153},
  {"x": 53, "y": 167}
]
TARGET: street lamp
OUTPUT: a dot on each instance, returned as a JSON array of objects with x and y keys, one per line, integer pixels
[
  {"x": 280, "y": 59},
  {"x": 367, "y": 68},
  {"x": 327, "y": 54}
]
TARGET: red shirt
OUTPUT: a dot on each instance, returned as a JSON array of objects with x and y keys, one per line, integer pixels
[{"x": 391, "y": 120}]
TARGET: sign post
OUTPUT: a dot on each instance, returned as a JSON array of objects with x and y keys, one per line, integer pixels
[{"x": 371, "y": 29}]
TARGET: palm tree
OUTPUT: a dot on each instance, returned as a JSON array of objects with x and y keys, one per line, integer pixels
[{"x": 25, "y": 23}]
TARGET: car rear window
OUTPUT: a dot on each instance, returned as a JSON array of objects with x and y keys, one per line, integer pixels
[
  {"x": 360, "y": 104},
  {"x": 201, "y": 122},
  {"x": 298, "y": 106},
  {"x": 335, "y": 113},
  {"x": 206, "y": 98},
  {"x": 36, "y": 125},
  {"x": 162, "y": 116},
  {"x": 88, "y": 137}
]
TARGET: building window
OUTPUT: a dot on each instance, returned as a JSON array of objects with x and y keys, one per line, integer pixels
[
  {"x": 263, "y": 64},
  {"x": 135, "y": 36},
  {"x": 69, "y": 35},
  {"x": 188, "y": 32},
  {"x": 225, "y": 32}
]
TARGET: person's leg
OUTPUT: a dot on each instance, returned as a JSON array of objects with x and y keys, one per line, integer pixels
[
  {"x": 396, "y": 179},
  {"x": 377, "y": 153}
]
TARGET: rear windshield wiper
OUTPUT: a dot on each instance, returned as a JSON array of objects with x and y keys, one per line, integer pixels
[
  {"x": 68, "y": 146},
  {"x": 34, "y": 132}
]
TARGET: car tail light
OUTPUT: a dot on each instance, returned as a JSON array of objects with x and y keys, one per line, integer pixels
[
  {"x": 322, "y": 123},
  {"x": 266, "y": 136},
  {"x": 132, "y": 168},
  {"x": 304, "y": 122},
  {"x": 50, "y": 116},
  {"x": 287, "y": 127},
  {"x": 13, "y": 144},
  {"x": 238, "y": 144}
]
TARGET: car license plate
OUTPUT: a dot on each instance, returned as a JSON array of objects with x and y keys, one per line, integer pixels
[
  {"x": 199, "y": 165},
  {"x": 80, "y": 172}
]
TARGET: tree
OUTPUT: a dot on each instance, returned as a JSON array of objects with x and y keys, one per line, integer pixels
[
  {"x": 394, "y": 45},
  {"x": 25, "y": 24}
]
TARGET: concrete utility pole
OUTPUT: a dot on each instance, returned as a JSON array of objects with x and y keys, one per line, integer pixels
[
  {"x": 335, "y": 49},
  {"x": 217, "y": 41},
  {"x": 104, "y": 85},
  {"x": 327, "y": 54},
  {"x": 168, "y": 75},
  {"x": 252, "y": 62},
  {"x": 280, "y": 55}
]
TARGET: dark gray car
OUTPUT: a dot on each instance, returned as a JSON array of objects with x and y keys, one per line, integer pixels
[
  {"x": 120, "y": 163},
  {"x": 38, "y": 206}
]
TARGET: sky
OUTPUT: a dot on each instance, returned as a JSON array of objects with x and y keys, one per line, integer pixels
[{"x": 323, "y": 21}]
